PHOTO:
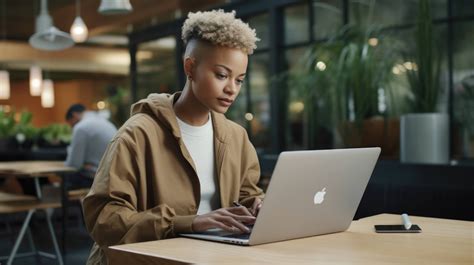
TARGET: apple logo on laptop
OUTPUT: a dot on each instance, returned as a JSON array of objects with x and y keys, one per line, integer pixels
[{"x": 319, "y": 196}]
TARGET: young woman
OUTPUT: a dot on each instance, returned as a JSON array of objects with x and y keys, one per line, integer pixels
[{"x": 178, "y": 165}]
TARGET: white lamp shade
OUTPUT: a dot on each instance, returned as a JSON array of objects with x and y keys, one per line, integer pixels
[
  {"x": 79, "y": 30},
  {"x": 48, "y": 37},
  {"x": 47, "y": 94},
  {"x": 36, "y": 78},
  {"x": 115, "y": 7},
  {"x": 4, "y": 85},
  {"x": 51, "y": 39}
]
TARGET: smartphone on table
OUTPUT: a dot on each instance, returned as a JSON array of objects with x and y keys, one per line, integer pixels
[{"x": 396, "y": 229}]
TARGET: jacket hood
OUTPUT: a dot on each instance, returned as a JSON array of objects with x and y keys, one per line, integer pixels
[{"x": 160, "y": 107}]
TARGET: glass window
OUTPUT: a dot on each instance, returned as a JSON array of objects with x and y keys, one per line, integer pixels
[
  {"x": 156, "y": 67},
  {"x": 328, "y": 18},
  {"x": 296, "y": 24},
  {"x": 260, "y": 24},
  {"x": 439, "y": 8},
  {"x": 463, "y": 78},
  {"x": 399, "y": 94},
  {"x": 389, "y": 13},
  {"x": 308, "y": 125},
  {"x": 259, "y": 117},
  {"x": 440, "y": 39},
  {"x": 463, "y": 7},
  {"x": 295, "y": 107},
  {"x": 398, "y": 88}
]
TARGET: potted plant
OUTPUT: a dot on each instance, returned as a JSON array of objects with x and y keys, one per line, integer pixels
[
  {"x": 7, "y": 125},
  {"x": 424, "y": 133},
  {"x": 25, "y": 133},
  {"x": 341, "y": 84},
  {"x": 56, "y": 135}
]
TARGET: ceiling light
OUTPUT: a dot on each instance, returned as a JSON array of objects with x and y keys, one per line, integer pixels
[
  {"x": 78, "y": 29},
  {"x": 115, "y": 7},
  {"x": 4, "y": 85},
  {"x": 36, "y": 79},
  {"x": 47, "y": 36},
  {"x": 373, "y": 42},
  {"x": 47, "y": 94}
]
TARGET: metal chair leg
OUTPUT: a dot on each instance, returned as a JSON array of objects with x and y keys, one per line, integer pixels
[
  {"x": 49, "y": 212},
  {"x": 30, "y": 240},
  {"x": 20, "y": 236}
]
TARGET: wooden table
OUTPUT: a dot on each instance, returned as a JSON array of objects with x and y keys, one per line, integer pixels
[
  {"x": 442, "y": 241},
  {"x": 35, "y": 170}
]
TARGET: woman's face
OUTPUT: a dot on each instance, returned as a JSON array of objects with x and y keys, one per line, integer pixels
[{"x": 218, "y": 76}]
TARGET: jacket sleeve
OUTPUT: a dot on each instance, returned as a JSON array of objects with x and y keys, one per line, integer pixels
[
  {"x": 110, "y": 209},
  {"x": 251, "y": 174}
]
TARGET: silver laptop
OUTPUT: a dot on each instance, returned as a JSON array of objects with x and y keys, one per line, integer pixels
[{"x": 310, "y": 193}]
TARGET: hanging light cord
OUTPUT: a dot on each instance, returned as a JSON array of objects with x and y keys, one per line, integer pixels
[
  {"x": 4, "y": 26},
  {"x": 78, "y": 8}
]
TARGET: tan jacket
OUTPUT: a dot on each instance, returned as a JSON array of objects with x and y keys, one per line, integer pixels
[{"x": 146, "y": 187}]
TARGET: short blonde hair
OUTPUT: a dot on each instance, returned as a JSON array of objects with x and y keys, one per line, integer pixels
[{"x": 219, "y": 28}]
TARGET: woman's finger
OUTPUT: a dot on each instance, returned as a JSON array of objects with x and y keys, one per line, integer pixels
[
  {"x": 246, "y": 218},
  {"x": 229, "y": 221},
  {"x": 241, "y": 210},
  {"x": 216, "y": 224}
]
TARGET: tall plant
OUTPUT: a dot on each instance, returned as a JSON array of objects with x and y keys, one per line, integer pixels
[
  {"x": 342, "y": 78},
  {"x": 424, "y": 82}
]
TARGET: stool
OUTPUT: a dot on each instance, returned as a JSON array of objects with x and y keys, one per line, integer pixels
[{"x": 12, "y": 203}]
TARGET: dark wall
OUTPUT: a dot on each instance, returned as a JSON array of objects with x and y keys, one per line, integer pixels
[{"x": 441, "y": 191}]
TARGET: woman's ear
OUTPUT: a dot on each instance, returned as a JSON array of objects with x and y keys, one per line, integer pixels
[{"x": 189, "y": 66}]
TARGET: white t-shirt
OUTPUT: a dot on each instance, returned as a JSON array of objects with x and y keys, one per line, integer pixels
[{"x": 199, "y": 140}]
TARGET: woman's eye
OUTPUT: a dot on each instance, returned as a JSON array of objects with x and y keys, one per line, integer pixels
[
  {"x": 221, "y": 76},
  {"x": 240, "y": 82}
]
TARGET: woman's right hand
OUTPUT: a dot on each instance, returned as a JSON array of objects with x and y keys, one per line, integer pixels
[{"x": 230, "y": 219}]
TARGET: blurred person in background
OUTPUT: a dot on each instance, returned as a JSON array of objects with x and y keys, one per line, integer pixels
[{"x": 91, "y": 134}]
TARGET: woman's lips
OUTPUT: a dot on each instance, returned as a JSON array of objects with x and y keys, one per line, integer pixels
[{"x": 225, "y": 101}]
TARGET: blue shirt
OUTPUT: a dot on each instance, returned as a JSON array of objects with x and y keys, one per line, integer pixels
[{"x": 90, "y": 138}]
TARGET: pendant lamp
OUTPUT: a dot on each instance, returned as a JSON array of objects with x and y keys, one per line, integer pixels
[
  {"x": 47, "y": 36},
  {"x": 47, "y": 94},
  {"x": 4, "y": 85},
  {"x": 36, "y": 79},
  {"x": 78, "y": 29},
  {"x": 4, "y": 75},
  {"x": 115, "y": 7}
]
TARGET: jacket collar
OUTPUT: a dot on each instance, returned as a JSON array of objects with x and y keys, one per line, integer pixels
[
  {"x": 218, "y": 121},
  {"x": 160, "y": 106}
]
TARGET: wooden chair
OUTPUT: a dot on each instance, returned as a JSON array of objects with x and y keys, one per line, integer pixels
[{"x": 13, "y": 203}]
